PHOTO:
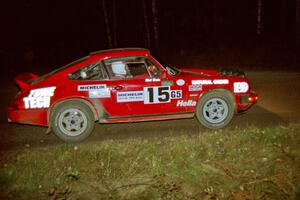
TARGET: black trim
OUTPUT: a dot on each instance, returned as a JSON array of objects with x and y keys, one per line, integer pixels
[
  {"x": 244, "y": 99},
  {"x": 118, "y": 49},
  {"x": 101, "y": 111},
  {"x": 123, "y": 58},
  {"x": 150, "y": 115}
]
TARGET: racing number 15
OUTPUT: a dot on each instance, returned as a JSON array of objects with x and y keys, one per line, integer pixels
[{"x": 157, "y": 94}]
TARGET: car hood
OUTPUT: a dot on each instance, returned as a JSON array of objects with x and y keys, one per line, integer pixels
[{"x": 198, "y": 72}]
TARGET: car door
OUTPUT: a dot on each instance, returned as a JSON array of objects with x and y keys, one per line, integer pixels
[
  {"x": 142, "y": 88},
  {"x": 92, "y": 82}
]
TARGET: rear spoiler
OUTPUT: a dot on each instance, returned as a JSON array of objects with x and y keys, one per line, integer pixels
[{"x": 23, "y": 80}]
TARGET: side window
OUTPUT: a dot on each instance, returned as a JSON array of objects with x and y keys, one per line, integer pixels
[
  {"x": 93, "y": 71},
  {"x": 137, "y": 69},
  {"x": 152, "y": 68},
  {"x": 127, "y": 68}
]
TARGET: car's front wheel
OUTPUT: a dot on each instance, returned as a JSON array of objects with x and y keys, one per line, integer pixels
[
  {"x": 72, "y": 121},
  {"x": 215, "y": 109}
]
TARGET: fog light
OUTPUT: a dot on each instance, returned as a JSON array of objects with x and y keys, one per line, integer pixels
[{"x": 252, "y": 99}]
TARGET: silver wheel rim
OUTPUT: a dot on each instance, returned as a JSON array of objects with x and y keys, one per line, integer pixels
[
  {"x": 72, "y": 122},
  {"x": 215, "y": 110}
]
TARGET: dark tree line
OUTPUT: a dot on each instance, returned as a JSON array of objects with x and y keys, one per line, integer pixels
[
  {"x": 206, "y": 20},
  {"x": 52, "y": 33},
  {"x": 150, "y": 22}
]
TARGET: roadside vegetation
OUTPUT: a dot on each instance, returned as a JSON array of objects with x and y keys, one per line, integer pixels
[{"x": 239, "y": 163}]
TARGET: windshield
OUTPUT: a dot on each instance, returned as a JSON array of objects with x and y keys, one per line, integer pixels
[{"x": 173, "y": 71}]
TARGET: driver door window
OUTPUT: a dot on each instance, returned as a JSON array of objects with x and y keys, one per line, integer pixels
[{"x": 131, "y": 68}]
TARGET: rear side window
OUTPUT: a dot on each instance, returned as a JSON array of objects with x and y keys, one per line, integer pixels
[{"x": 93, "y": 71}]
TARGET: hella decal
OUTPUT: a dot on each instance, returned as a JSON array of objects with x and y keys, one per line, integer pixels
[
  {"x": 181, "y": 103},
  {"x": 39, "y": 98}
]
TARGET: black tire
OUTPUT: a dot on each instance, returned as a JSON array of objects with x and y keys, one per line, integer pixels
[
  {"x": 72, "y": 121},
  {"x": 215, "y": 109}
]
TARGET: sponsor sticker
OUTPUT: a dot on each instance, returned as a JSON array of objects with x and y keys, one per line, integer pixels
[
  {"x": 167, "y": 83},
  {"x": 149, "y": 80},
  {"x": 160, "y": 94},
  {"x": 240, "y": 87},
  {"x": 180, "y": 82},
  {"x": 131, "y": 96},
  {"x": 101, "y": 93},
  {"x": 194, "y": 88},
  {"x": 91, "y": 87},
  {"x": 39, "y": 98},
  {"x": 202, "y": 82},
  {"x": 181, "y": 103},
  {"x": 211, "y": 82},
  {"x": 95, "y": 90},
  {"x": 150, "y": 95}
]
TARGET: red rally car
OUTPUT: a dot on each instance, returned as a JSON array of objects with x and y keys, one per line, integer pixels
[{"x": 126, "y": 85}]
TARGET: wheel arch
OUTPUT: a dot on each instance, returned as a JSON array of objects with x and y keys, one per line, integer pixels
[
  {"x": 222, "y": 90},
  {"x": 88, "y": 103}
]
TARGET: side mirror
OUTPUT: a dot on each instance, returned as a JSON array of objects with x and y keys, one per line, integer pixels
[{"x": 163, "y": 74}]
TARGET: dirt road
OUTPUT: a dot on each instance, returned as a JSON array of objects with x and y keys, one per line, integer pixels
[{"x": 279, "y": 99}]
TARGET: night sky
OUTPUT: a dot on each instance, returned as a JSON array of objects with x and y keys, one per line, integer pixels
[{"x": 43, "y": 35}]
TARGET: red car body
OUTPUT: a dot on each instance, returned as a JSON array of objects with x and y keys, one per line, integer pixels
[{"x": 170, "y": 94}]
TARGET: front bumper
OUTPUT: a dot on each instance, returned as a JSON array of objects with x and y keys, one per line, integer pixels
[{"x": 245, "y": 101}]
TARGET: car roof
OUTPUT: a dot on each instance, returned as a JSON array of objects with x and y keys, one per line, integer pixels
[
  {"x": 120, "y": 51},
  {"x": 109, "y": 53}
]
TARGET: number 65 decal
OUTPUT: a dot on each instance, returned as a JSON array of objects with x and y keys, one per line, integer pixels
[{"x": 161, "y": 94}]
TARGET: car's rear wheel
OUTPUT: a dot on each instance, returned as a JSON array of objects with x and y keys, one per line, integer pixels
[
  {"x": 72, "y": 121},
  {"x": 215, "y": 109}
]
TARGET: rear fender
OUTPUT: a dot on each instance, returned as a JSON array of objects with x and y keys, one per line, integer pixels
[{"x": 96, "y": 109}]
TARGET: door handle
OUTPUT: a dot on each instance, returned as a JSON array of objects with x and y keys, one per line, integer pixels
[{"x": 118, "y": 87}]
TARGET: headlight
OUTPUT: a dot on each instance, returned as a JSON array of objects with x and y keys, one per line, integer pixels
[{"x": 240, "y": 87}]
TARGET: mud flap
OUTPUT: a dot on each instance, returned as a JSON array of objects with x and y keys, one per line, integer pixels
[{"x": 48, "y": 130}]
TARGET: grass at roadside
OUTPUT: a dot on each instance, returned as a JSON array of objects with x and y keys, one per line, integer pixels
[{"x": 250, "y": 163}]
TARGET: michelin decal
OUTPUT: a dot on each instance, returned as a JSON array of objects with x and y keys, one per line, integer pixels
[
  {"x": 132, "y": 96},
  {"x": 91, "y": 87}
]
